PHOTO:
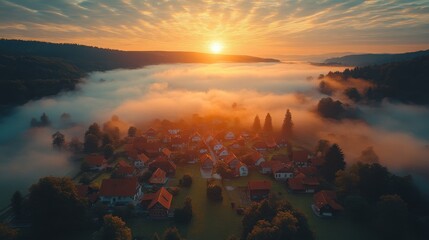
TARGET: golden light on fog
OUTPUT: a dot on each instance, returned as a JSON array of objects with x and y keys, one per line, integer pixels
[{"x": 216, "y": 47}]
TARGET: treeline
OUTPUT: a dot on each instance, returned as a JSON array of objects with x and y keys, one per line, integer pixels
[
  {"x": 402, "y": 81},
  {"x": 24, "y": 78}
]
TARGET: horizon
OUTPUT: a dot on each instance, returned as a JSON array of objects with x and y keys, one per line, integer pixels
[{"x": 264, "y": 28}]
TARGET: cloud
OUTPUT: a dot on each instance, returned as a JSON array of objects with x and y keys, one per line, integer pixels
[{"x": 273, "y": 26}]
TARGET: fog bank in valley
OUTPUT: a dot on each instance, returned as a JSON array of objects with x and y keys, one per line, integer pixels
[{"x": 398, "y": 133}]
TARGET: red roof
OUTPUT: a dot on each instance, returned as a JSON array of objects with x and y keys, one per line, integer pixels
[
  {"x": 277, "y": 167},
  {"x": 296, "y": 184},
  {"x": 308, "y": 171},
  {"x": 162, "y": 197},
  {"x": 265, "y": 165},
  {"x": 300, "y": 156},
  {"x": 324, "y": 198},
  {"x": 94, "y": 160},
  {"x": 317, "y": 161},
  {"x": 270, "y": 142},
  {"x": 259, "y": 185},
  {"x": 229, "y": 158},
  {"x": 260, "y": 145},
  {"x": 164, "y": 164},
  {"x": 205, "y": 157},
  {"x": 166, "y": 152},
  {"x": 124, "y": 187},
  {"x": 142, "y": 157},
  {"x": 158, "y": 177}
]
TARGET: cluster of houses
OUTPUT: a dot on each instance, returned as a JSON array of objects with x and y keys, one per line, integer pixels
[{"x": 155, "y": 151}]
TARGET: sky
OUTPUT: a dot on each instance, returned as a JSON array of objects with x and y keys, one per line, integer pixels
[{"x": 262, "y": 28}]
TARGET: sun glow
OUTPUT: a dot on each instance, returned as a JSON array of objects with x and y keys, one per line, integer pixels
[{"x": 216, "y": 47}]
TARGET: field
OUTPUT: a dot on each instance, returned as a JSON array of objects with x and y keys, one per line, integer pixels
[{"x": 217, "y": 221}]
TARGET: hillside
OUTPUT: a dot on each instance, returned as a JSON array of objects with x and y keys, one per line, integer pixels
[
  {"x": 372, "y": 59},
  {"x": 32, "y": 69}
]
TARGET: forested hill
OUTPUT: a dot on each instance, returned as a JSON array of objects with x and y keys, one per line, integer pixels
[
  {"x": 31, "y": 69},
  {"x": 373, "y": 59},
  {"x": 93, "y": 59},
  {"x": 406, "y": 81}
]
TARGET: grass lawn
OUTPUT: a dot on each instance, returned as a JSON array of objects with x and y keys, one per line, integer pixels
[{"x": 217, "y": 221}]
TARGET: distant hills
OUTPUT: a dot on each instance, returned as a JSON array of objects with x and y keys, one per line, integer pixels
[
  {"x": 32, "y": 69},
  {"x": 88, "y": 58},
  {"x": 373, "y": 59}
]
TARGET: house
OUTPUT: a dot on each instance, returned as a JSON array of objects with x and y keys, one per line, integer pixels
[
  {"x": 281, "y": 171},
  {"x": 195, "y": 138},
  {"x": 159, "y": 177},
  {"x": 216, "y": 145},
  {"x": 123, "y": 169},
  {"x": 241, "y": 170},
  {"x": 202, "y": 148},
  {"x": 151, "y": 135},
  {"x": 166, "y": 152},
  {"x": 231, "y": 160},
  {"x": 158, "y": 204},
  {"x": 265, "y": 167},
  {"x": 206, "y": 162},
  {"x": 258, "y": 190},
  {"x": 271, "y": 143},
  {"x": 303, "y": 183},
  {"x": 141, "y": 161},
  {"x": 173, "y": 131},
  {"x": 161, "y": 162},
  {"x": 300, "y": 158},
  {"x": 280, "y": 158},
  {"x": 317, "y": 162},
  {"x": 245, "y": 135},
  {"x": 260, "y": 146},
  {"x": 229, "y": 135},
  {"x": 120, "y": 191},
  {"x": 178, "y": 143},
  {"x": 237, "y": 144},
  {"x": 95, "y": 162},
  {"x": 255, "y": 158},
  {"x": 325, "y": 204},
  {"x": 151, "y": 149},
  {"x": 222, "y": 152}
]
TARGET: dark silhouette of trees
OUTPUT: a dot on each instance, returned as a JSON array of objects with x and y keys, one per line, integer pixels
[
  {"x": 186, "y": 180},
  {"x": 16, "y": 203},
  {"x": 392, "y": 217},
  {"x": 256, "y": 124},
  {"x": 353, "y": 94},
  {"x": 44, "y": 121},
  {"x": 94, "y": 129},
  {"x": 58, "y": 140},
  {"x": 91, "y": 143},
  {"x": 132, "y": 131},
  {"x": 323, "y": 146},
  {"x": 214, "y": 192},
  {"x": 268, "y": 124},
  {"x": 368, "y": 155},
  {"x": 329, "y": 108},
  {"x": 223, "y": 169},
  {"x": 287, "y": 126},
  {"x": 108, "y": 151},
  {"x": 334, "y": 161},
  {"x": 172, "y": 234},
  {"x": 113, "y": 228},
  {"x": 184, "y": 215},
  {"x": 55, "y": 207},
  {"x": 7, "y": 233},
  {"x": 75, "y": 145}
]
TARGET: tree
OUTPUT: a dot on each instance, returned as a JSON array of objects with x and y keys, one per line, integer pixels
[
  {"x": 357, "y": 208},
  {"x": 106, "y": 139},
  {"x": 55, "y": 207},
  {"x": 256, "y": 124},
  {"x": 268, "y": 124},
  {"x": 58, "y": 140},
  {"x": 7, "y": 233},
  {"x": 113, "y": 229},
  {"x": 353, "y": 94},
  {"x": 132, "y": 131},
  {"x": 334, "y": 161},
  {"x": 287, "y": 126},
  {"x": 329, "y": 108},
  {"x": 91, "y": 143},
  {"x": 186, "y": 180},
  {"x": 287, "y": 223},
  {"x": 172, "y": 234},
  {"x": 156, "y": 237},
  {"x": 184, "y": 215},
  {"x": 223, "y": 169},
  {"x": 368, "y": 155},
  {"x": 75, "y": 145},
  {"x": 264, "y": 230},
  {"x": 94, "y": 129},
  {"x": 347, "y": 181},
  {"x": 214, "y": 192},
  {"x": 44, "y": 120},
  {"x": 322, "y": 146},
  {"x": 108, "y": 151},
  {"x": 392, "y": 217},
  {"x": 373, "y": 181},
  {"x": 16, "y": 203}
]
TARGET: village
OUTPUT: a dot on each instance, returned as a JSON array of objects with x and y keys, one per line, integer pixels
[{"x": 141, "y": 173}]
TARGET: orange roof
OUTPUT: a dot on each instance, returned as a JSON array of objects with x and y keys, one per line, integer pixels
[
  {"x": 205, "y": 157},
  {"x": 277, "y": 166},
  {"x": 308, "y": 171},
  {"x": 259, "y": 185},
  {"x": 162, "y": 197},
  {"x": 300, "y": 156},
  {"x": 270, "y": 142},
  {"x": 229, "y": 158},
  {"x": 142, "y": 157},
  {"x": 94, "y": 160},
  {"x": 241, "y": 164},
  {"x": 158, "y": 177},
  {"x": 122, "y": 163},
  {"x": 324, "y": 197},
  {"x": 166, "y": 152},
  {"x": 124, "y": 187},
  {"x": 295, "y": 184}
]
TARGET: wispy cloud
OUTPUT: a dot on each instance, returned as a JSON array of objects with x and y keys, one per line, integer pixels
[{"x": 262, "y": 26}]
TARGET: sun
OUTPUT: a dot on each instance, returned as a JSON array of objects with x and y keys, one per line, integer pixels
[{"x": 216, "y": 47}]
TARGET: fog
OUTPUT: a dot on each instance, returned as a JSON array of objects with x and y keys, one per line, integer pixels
[{"x": 398, "y": 133}]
